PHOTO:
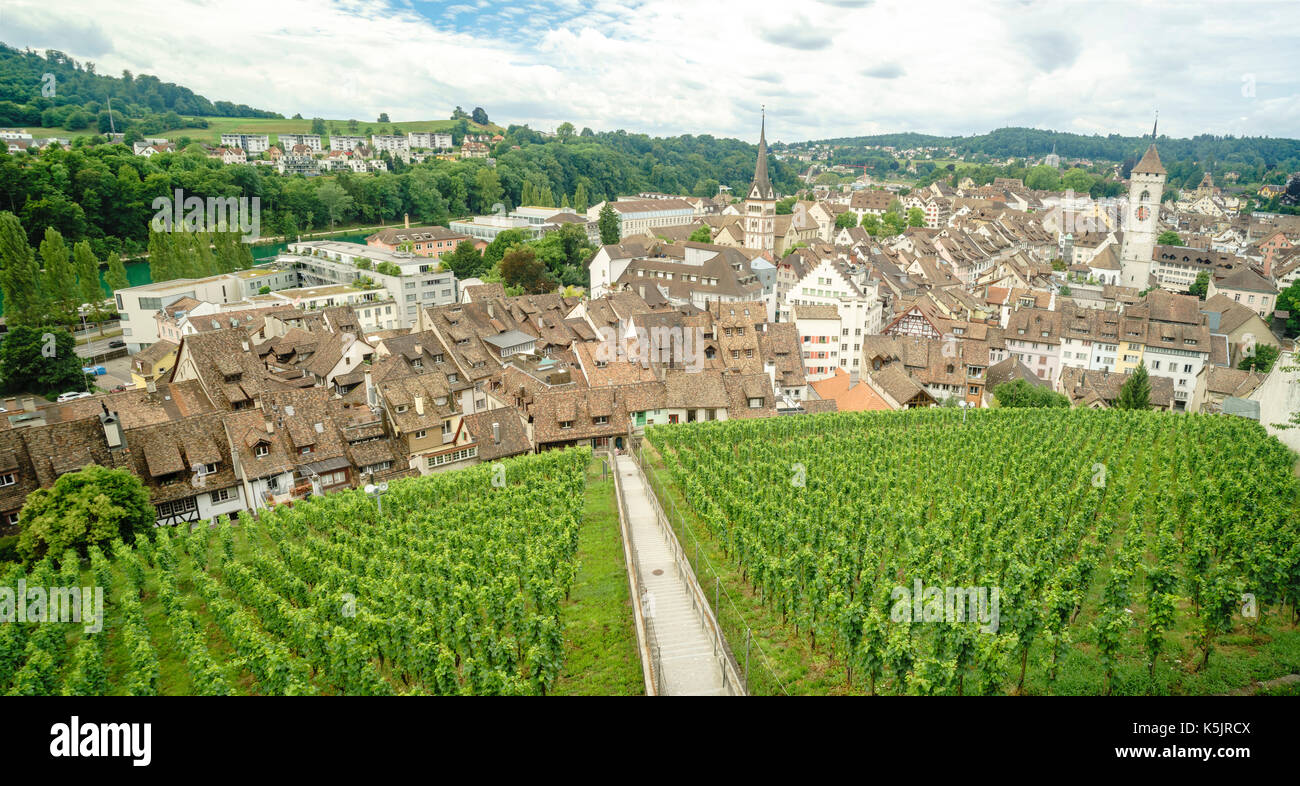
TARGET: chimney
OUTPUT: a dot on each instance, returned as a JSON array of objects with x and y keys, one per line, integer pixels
[
  {"x": 492, "y": 312},
  {"x": 151, "y": 386},
  {"x": 371, "y": 398},
  {"x": 419, "y": 350},
  {"x": 419, "y": 405},
  {"x": 29, "y": 404},
  {"x": 496, "y": 433},
  {"x": 270, "y": 427},
  {"x": 407, "y": 220},
  {"x": 243, "y": 345}
]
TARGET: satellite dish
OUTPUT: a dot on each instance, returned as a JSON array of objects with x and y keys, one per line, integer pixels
[{"x": 370, "y": 488}]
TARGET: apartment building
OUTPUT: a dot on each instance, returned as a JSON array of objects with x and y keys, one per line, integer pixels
[
  {"x": 429, "y": 140},
  {"x": 310, "y": 141},
  {"x": 252, "y": 143},
  {"x": 413, "y": 282},
  {"x": 138, "y": 305}
]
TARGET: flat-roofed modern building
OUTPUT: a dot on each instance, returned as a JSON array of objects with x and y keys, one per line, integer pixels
[
  {"x": 412, "y": 281},
  {"x": 138, "y": 305}
]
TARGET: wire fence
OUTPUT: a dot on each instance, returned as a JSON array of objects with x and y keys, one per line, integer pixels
[{"x": 757, "y": 673}]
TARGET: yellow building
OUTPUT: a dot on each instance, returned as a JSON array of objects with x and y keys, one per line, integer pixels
[
  {"x": 1129, "y": 356},
  {"x": 153, "y": 363}
]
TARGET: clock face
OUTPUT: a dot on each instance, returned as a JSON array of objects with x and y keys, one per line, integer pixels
[{"x": 1143, "y": 212}]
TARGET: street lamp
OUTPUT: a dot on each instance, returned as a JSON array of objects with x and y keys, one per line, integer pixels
[
  {"x": 964, "y": 405},
  {"x": 377, "y": 492}
]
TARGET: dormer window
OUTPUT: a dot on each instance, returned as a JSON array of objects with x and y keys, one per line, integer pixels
[
  {"x": 756, "y": 403},
  {"x": 261, "y": 449},
  {"x": 8, "y": 479},
  {"x": 401, "y": 408},
  {"x": 417, "y": 363},
  {"x": 437, "y": 358}
]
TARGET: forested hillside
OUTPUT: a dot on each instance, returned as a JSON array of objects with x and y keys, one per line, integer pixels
[
  {"x": 1251, "y": 157},
  {"x": 80, "y": 96}
]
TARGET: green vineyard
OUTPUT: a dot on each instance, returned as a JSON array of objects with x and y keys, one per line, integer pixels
[
  {"x": 457, "y": 588},
  {"x": 1130, "y": 552}
]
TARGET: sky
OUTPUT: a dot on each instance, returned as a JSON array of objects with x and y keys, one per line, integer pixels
[{"x": 823, "y": 68}]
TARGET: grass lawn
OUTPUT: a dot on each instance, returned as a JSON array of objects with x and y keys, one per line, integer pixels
[{"x": 600, "y": 650}]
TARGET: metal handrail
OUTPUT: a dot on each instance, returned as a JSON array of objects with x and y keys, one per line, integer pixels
[
  {"x": 636, "y": 584},
  {"x": 731, "y": 673}
]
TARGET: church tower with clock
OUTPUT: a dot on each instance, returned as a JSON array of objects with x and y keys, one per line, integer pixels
[{"x": 1146, "y": 184}]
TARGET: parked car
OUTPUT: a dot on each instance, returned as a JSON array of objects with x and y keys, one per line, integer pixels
[
  {"x": 116, "y": 343},
  {"x": 72, "y": 395}
]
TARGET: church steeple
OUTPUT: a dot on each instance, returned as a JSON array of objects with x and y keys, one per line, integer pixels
[
  {"x": 760, "y": 205},
  {"x": 1150, "y": 163},
  {"x": 762, "y": 186}
]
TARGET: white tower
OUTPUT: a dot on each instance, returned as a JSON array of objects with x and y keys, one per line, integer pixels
[
  {"x": 1146, "y": 184},
  {"x": 760, "y": 205}
]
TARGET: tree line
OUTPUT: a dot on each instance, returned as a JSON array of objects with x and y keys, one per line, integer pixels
[{"x": 103, "y": 193}]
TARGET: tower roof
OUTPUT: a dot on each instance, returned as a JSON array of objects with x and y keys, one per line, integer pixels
[
  {"x": 1150, "y": 163},
  {"x": 762, "y": 186}
]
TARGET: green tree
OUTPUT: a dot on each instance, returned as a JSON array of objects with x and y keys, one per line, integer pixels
[
  {"x": 1136, "y": 391},
  {"x": 893, "y": 223},
  {"x": 1077, "y": 180},
  {"x": 116, "y": 277},
  {"x": 565, "y": 131},
  {"x": 91, "y": 506},
  {"x": 383, "y": 118},
  {"x": 701, "y": 235},
  {"x": 501, "y": 244},
  {"x": 1287, "y": 300},
  {"x": 1042, "y": 178},
  {"x": 1261, "y": 360},
  {"x": 89, "y": 290},
  {"x": 1169, "y": 238},
  {"x": 1201, "y": 285},
  {"x": 465, "y": 261},
  {"x": 59, "y": 279},
  {"x": 20, "y": 276},
  {"x": 915, "y": 217},
  {"x": 609, "y": 225},
  {"x": 871, "y": 223},
  {"x": 39, "y": 361},
  {"x": 487, "y": 184},
  {"x": 335, "y": 200},
  {"x": 520, "y": 267},
  {"x": 846, "y": 220},
  {"x": 318, "y": 125},
  {"x": 580, "y": 198}
]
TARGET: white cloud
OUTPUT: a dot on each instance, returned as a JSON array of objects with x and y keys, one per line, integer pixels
[{"x": 824, "y": 69}]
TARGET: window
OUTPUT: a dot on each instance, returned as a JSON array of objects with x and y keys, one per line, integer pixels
[
  {"x": 222, "y": 495},
  {"x": 756, "y": 403},
  {"x": 600, "y": 420},
  {"x": 261, "y": 449},
  {"x": 177, "y": 507},
  {"x": 304, "y": 450},
  {"x": 566, "y": 424},
  {"x": 8, "y": 479}
]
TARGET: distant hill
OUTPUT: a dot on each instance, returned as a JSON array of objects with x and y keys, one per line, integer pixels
[
  {"x": 77, "y": 89},
  {"x": 1270, "y": 152}
]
